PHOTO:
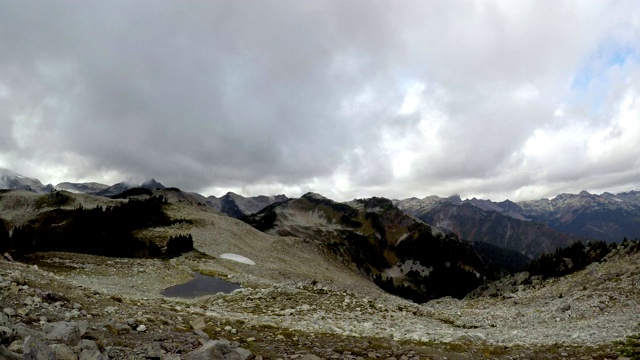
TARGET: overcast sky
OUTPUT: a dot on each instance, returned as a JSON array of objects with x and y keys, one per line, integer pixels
[{"x": 493, "y": 99}]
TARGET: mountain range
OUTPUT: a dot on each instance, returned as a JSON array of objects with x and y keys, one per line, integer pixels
[
  {"x": 566, "y": 218},
  {"x": 530, "y": 228}
]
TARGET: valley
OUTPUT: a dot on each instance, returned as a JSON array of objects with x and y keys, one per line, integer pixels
[{"x": 301, "y": 297}]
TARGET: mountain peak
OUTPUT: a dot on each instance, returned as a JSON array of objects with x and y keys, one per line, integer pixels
[
  {"x": 455, "y": 198},
  {"x": 313, "y": 195},
  {"x": 152, "y": 185},
  {"x": 12, "y": 180}
]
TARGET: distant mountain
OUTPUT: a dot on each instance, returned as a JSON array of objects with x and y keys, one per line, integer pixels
[
  {"x": 238, "y": 206},
  {"x": 152, "y": 185},
  {"x": 605, "y": 217},
  {"x": 402, "y": 255},
  {"x": 13, "y": 180},
  {"x": 84, "y": 188},
  {"x": 115, "y": 189},
  {"x": 107, "y": 190},
  {"x": 477, "y": 225}
]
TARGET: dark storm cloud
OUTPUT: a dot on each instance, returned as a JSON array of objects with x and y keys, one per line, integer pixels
[{"x": 299, "y": 95}]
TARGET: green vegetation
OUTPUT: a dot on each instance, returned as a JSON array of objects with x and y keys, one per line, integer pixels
[
  {"x": 55, "y": 199},
  {"x": 503, "y": 259},
  {"x": 576, "y": 257},
  {"x": 136, "y": 191},
  {"x": 630, "y": 347},
  {"x": 4, "y": 233},
  {"x": 102, "y": 231}
]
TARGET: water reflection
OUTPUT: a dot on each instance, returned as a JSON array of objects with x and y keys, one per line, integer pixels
[{"x": 200, "y": 285}]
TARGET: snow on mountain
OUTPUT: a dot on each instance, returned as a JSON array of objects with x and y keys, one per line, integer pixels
[
  {"x": 12, "y": 180},
  {"x": 608, "y": 217}
]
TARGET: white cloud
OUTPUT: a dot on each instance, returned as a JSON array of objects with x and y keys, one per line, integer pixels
[{"x": 493, "y": 98}]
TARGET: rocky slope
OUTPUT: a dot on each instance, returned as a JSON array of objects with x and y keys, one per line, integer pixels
[
  {"x": 573, "y": 317},
  {"x": 296, "y": 303},
  {"x": 403, "y": 256}
]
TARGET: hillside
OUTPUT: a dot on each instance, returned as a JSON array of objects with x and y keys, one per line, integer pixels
[
  {"x": 296, "y": 301},
  {"x": 400, "y": 254}
]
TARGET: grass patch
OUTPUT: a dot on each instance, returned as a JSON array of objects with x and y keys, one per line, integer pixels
[{"x": 629, "y": 347}]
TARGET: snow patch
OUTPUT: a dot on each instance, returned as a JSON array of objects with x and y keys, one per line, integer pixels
[
  {"x": 402, "y": 238},
  {"x": 238, "y": 258},
  {"x": 401, "y": 269}
]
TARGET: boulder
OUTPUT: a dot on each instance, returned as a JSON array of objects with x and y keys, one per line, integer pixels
[
  {"x": 4, "y": 320},
  {"x": 471, "y": 337},
  {"x": 118, "y": 328},
  {"x": 36, "y": 349},
  {"x": 219, "y": 349},
  {"x": 198, "y": 323},
  {"x": 63, "y": 352},
  {"x": 92, "y": 355},
  {"x": 62, "y": 332},
  {"x": 5, "y": 332},
  {"x": 18, "y": 278}
]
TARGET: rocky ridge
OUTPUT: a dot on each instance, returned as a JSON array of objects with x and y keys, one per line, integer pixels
[{"x": 577, "y": 316}]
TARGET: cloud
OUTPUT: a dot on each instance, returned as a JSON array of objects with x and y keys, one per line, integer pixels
[{"x": 349, "y": 99}]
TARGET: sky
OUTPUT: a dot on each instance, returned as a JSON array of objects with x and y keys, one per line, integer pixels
[{"x": 350, "y": 99}]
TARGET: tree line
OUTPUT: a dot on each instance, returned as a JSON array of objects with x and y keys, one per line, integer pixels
[{"x": 106, "y": 231}]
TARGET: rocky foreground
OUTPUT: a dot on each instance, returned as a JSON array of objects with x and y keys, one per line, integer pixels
[{"x": 70, "y": 306}]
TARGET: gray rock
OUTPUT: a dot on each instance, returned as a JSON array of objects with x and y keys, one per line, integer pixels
[
  {"x": 36, "y": 349},
  {"x": 63, "y": 352},
  {"x": 471, "y": 337},
  {"x": 62, "y": 332},
  {"x": 83, "y": 326},
  {"x": 565, "y": 307},
  {"x": 118, "y": 328},
  {"x": 23, "y": 311},
  {"x": 16, "y": 346},
  {"x": 18, "y": 278},
  {"x": 22, "y": 331},
  {"x": 85, "y": 344},
  {"x": 219, "y": 349},
  {"x": 243, "y": 354},
  {"x": 521, "y": 278},
  {"x": 198, "y": 323},
  {"x": 205, "y": 352},
  {"x": 4, "y": 320},
  {"x": 8, "y": 354},
  {"x": 92, "y": 355},
  {"x": 310, "y": 357},
  {"x": 151, "y": 350},
  {"x": 5, "y": 332},
  {"x": 7, "y": 257},
  {"x": 9, "y": 311},
  {"x": 201, "y": 334}
]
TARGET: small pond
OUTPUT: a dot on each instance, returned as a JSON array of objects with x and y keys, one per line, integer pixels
[{"x": 200, "y": 285}]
